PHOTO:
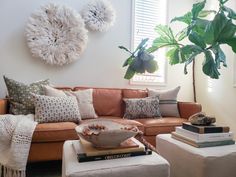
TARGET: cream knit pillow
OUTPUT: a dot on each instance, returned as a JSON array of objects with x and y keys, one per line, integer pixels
[{"x": 85, "y": 102}]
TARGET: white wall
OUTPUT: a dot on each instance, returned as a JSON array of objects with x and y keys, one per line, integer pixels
[
  {"x": 218, "y": 97},
  {"x": 99, "y": 66}
]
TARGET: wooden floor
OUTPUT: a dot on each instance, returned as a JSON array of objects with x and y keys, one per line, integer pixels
[{"x": 44, "y": 169}]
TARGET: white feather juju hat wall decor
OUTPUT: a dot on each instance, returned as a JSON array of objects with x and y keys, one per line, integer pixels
[
  {"x": 99, "y": 15},
  {"x": 56, "y": 34}
]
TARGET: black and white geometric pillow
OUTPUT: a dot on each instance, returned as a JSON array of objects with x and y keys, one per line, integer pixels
[
  {"x": 56, "y": 109},
  {"x": 142, "y": 108}
]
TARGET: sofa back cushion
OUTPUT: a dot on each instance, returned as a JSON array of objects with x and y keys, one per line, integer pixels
[
  {"x": 134, "y": 93},
  {"x": 106, "y": 101}
]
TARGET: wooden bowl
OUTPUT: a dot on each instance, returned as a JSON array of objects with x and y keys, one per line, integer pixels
[{"x": 105, "y": 133}]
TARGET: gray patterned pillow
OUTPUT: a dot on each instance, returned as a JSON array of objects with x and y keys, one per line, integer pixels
[
  {"x": 21, "y": 101},
  {"x": 168, "y": 101},
  {"x": 56, "y": 109},
  {"x": 142, "y": 108}
]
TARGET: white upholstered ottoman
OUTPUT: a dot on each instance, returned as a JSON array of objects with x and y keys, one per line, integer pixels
[
  {"x": 188, "y": 161},
  {"x": 140, "y": 166}
]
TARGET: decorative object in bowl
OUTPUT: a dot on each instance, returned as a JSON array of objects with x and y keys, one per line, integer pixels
[{"x": 103, "y": 133}]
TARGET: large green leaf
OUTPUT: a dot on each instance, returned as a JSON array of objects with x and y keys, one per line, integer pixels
[
  {"x": 227, "y": 32},
  {"x": 150, "y": 66},
  {"x": 137, "y": 65},
  {"x": 166, "y": 38},
  {"x": 231, "y": 13},
  {"x": 219, "y": 56},
  {"x": 128, "y": 61},
  {"x": 190, "y": 49},
  {"x": 190, "y": 52},
  {"x": 223, "y": 1},
  {"x": 219, "y": 30},
  {"x": 189, "y": 61},
  {"x": 196, "y": 39},
  {"x": 232, "y": 42},
  {"x": 144, "y": 55},
  {"x": 205, "y": 13},
  {"x": 141, "y": 44},
  {"x": 209, "y": 66},
  {"x": 173, "y": 56},
  {"x": 186, "y": 18},
  {"x": 197, "y": 8},
  {"x": 177, "y": 55},
  {"x": 164, "y": 30},
  {"x": 182, "y": 34},
  {"x": 129, "y": 73},
  {"x": 200, "y": 26}
]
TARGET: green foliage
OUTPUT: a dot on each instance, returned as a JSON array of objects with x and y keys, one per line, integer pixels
[
  {"x": 139, "y": 61},
  {"x": 204, "y": 36}
]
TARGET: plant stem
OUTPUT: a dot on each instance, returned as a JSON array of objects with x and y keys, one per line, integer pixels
[{"x": 194, "y": 86}]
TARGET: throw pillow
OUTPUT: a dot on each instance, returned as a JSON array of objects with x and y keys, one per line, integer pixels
[
  {"x": 141, "y": 108},
  {"x": 85, "y": 102},
  {"x": 56, "y": 109},
  {"x": 50, "y": 91},
  {"x": 21, "y": 101},
  {"x": 168, "y": 101}
]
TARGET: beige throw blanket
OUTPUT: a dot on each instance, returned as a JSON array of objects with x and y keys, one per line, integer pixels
[{"x": 15, "y": 139}]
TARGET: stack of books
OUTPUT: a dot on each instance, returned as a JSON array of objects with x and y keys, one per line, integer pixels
[
  {"x": 87, "y": 152},
  {"x": 203, "y": 136}
]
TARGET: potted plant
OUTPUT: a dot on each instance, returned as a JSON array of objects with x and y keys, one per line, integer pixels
[{"x": 204, "y": 36}]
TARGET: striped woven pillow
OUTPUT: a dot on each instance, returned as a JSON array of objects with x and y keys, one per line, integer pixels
[{"x": 168, "y": 101}]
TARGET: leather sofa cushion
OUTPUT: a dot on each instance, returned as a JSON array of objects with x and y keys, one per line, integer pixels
[
  {"x": 106, "y": 101},
  {"x": 134, "y": 93},
  {"x": 45, "y": 151},
  {"x": 123, "y": 121},
  {"x": 52, "y": 132},
  {"x": 162, "y": 125},
  {"x": 186, "y": 109}
]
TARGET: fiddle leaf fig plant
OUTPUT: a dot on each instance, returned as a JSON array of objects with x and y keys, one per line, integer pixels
[
  {"x": 139, "y": 61},
  {"x": 204, "y": 36}
]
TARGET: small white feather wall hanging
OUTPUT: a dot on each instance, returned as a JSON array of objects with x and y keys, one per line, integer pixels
[
  {"x": 56, "y": 34},
  {"x": 98, "y": 15}
]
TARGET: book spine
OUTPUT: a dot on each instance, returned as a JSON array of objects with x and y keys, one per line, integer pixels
[
  {"x": 203, "y": 144},
  {"x": 84, "y": 158},
  {"x": 204, "y": 137},
  {"x": 203, "y": 130},
  {"x": 216, "y": 143},
  {"x": 190, "y": 128}
]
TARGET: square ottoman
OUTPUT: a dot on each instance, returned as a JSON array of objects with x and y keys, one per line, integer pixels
[
  {"x": 188, "y": 161},
  {"x": 141, "y": 166}
]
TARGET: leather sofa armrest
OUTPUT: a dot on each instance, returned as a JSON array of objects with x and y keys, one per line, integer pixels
[
  {"x": 186, "y": 109},
  {"x": 3, "y": 106}
]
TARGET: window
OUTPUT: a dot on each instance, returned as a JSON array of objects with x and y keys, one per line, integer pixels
[{"x": 146, "y": 15}]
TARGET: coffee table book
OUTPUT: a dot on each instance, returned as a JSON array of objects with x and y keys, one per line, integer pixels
[
  {"x": 200, "y": 144},
  {"x": 82, "y": 156},
  {"x": 197, "y": 137},
  {"x": 131, "y": 145},
  {"x": 205, "y": 129}
]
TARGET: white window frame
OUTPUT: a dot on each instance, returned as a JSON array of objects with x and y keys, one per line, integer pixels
[{"x": 132, "y": 81}]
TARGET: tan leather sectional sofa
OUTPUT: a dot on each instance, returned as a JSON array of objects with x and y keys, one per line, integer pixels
[{"x": 48, "y": 138}]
